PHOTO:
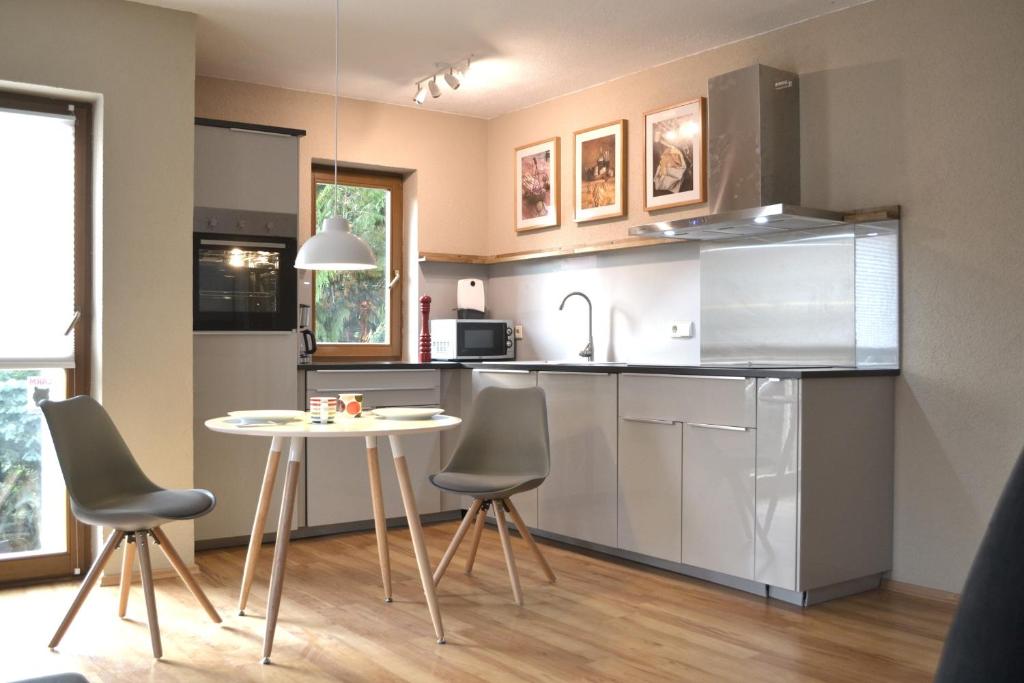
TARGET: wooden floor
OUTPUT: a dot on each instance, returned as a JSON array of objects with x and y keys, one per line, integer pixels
[{"x": 604, "y": 620}]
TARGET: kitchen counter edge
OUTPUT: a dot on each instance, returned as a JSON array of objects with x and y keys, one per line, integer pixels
[{"x": 781, "y": 373}]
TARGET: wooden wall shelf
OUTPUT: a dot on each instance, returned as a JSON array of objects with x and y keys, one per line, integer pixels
[{"x": 611, "y": 245}]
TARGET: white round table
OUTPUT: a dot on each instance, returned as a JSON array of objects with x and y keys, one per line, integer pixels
[{"x": 369, "y": 428}]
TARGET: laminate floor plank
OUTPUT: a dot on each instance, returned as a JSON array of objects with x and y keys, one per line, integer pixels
[{"x": 604, "y": 620}]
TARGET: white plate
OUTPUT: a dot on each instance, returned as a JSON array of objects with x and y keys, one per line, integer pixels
[
  {"x": 267, "y": 415},
  {"x": 407, "y": 413}
]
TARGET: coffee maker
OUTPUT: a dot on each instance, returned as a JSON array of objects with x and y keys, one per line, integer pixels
[{"x": 307, "y": 341}]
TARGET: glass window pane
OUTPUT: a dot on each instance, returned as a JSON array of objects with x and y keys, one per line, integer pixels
[
  {"x": 37, "y": 223},
  {"x": 353, "y": 307},
  {"x": 33, "y": 512}
]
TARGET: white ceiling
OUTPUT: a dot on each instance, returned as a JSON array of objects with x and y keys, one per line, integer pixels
[{"x": 527, "y": 51}]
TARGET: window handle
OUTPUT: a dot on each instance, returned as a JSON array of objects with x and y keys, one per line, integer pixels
[
  {"x": 398, "y": 275},
  {"x": 74, "y": 321}
]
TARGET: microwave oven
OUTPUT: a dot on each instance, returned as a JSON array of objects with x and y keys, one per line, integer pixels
[{"x": 464, "y": 339}]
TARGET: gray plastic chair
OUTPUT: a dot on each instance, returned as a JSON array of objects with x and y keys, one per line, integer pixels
[
  {"x": 107, "y": 488},
  {"x": 504, "y": 450}
]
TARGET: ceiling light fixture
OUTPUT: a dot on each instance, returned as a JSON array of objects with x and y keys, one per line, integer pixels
[
  {"x": 452, "y": 73},
  {"x": 335, "y": 247},
  {"x": 421, "y": 94}
]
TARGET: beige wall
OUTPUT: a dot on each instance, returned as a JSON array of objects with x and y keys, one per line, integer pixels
[
  {"x": 445, "y": 151},
  {"x": 138, "y": 63},
  {"x": 916, "y": 102}
]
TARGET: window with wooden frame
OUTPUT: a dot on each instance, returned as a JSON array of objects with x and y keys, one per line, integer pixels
[
  {"x": 45, "y": 293},
  {"x": 358, "y": 314}
]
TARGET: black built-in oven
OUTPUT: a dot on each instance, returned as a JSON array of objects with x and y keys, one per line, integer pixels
[{"x": 243, "y": 282}]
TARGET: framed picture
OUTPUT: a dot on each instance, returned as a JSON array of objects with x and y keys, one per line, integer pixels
[
  {"x": 537, "y": 181},
  {"x": 600, "y": 172},
  {"x": 675, "y": 171}
]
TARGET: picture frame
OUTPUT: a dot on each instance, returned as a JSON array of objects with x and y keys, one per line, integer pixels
[
  {"x": 537, "y": 185},
  {"x": 675, "y": 163},
  {"x": 599, "y": 171}
]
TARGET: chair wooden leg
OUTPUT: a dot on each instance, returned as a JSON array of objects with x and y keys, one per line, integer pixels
[
  {"x": 147, "y": 588},
  {"x": 184, "y": 573},
  {"x": 127, "y": 560},
  {"x": 510, "y": 559},
  {"x": 478, "y": 530},
  {"x": 90, "y": 581},
  {"x": 456, "y": 540},
  {"x": 528, "y": 537}
]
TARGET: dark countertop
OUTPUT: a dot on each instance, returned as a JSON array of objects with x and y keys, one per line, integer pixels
[{"x": 780, "y": 372}]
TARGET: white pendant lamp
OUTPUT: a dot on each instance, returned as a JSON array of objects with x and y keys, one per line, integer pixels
[{"x": 335, "y": 247}]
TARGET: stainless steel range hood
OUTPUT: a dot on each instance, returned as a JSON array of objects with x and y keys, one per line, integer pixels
[{"x": 753, "y": 161}]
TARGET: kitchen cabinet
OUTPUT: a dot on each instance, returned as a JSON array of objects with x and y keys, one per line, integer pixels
[
  {"x": 650, "y": 474},
  {"x": 337, "y": 482},
  {"x": 525, "y": 502},
  {"x": 777, "y": 491},
  {"x": 579, "y": 498},
  {"x": 718, "y": 498}
]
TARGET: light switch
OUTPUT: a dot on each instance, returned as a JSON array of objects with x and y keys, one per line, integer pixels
[
  {"x": 681, "y": 329},
  {"x": 518, "y": 331}
]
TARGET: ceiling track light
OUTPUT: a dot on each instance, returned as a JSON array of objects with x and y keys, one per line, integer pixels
[{"x": 452, "y": 75}]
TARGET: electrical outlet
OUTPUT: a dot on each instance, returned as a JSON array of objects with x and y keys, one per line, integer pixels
[
  {"x": 518, "y": 331},
  {"x": 681, "y": 329}
]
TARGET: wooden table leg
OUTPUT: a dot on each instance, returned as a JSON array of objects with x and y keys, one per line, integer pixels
[
  {"x": 416, "y": 531},
  {"x": 259, "y": 523},
  {"x": 284, "y": 525},
  {"x": 127, "y": 560},
  {"x": 380, "y": 520}
]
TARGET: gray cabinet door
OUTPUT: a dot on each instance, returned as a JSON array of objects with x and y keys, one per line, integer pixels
[
  {"x": 526, "y": 502},
  {"x": 718, "y": 498},
  {"x": 778, "y": 477},
  {"x": 579, "y": 498},
  {"x": 650, "y": 487},
  {"x": 338, "y": 481}
]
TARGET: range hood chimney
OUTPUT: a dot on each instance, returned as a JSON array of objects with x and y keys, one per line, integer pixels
[{"x": 753, "y": 161}]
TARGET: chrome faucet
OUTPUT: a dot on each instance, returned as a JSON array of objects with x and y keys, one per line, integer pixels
[{"x": 588, "y": 350}]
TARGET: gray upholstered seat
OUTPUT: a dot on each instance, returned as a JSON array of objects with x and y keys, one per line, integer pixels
[
  {"x": 503, "y": 451},
  {"x": 485, "y": 485},
  {"x": 107, "y": 488}
]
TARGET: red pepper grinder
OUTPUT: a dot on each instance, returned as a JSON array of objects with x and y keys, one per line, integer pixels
[{"x": 425, "y": 329}]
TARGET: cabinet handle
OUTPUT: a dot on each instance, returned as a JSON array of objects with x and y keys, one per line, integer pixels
[
  {"x": 722, "y": 427},
  {"x": 648, "y": 420},
  {"x": 570, "y": 372},
  {"x": 653, "y": 374},
  {"x": 505, "y": 372}
]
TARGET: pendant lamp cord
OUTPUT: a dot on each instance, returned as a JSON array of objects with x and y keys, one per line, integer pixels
[{"x": 337, "y": 82}]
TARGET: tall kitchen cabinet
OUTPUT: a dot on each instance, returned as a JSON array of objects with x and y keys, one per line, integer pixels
[
  {"x": 525, "y": 502},
  {"x": 578, "y": 500},
  {"x": 246, "y": 182}
]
